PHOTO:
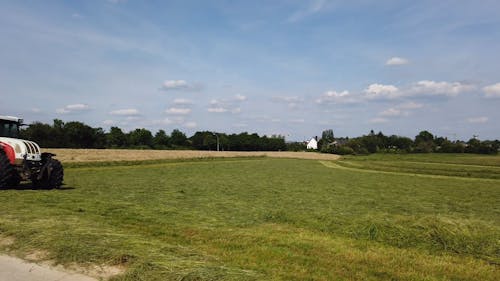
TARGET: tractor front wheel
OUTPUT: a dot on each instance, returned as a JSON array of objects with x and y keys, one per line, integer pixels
[
  {"x": 52, "y": 177},
  {"x": 6, "y": 170}
]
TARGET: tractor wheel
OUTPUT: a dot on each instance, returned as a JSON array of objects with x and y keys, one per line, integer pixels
[
  {"x": 53, "y": 178},
  {"x": 14, "y": 179},
  {"x": 6, "y": 170}
]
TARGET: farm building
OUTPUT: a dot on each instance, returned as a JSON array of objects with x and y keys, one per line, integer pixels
[{"x": 313, "y": 143}]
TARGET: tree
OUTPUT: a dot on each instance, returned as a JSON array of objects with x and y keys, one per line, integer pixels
[
  {"x": 40, "y": 133},
  {"x": 424, "y": 142},
  {"x": 116, "y": 138},
  {"x": 423, "y": 136},
  {"x": 205, "y": 140},
  {"x": 327, "y": 136},
  {"x": 400, "y": 143},
  {"x": 58, "y": 133},
  {"x": 99, "y": 138},
  {"x": 161, "y": 140},
  {"x": 296, "y": 146},
  {"x": 141, "y": 138},
  {"x": 79, "y": 135},
  {"x": 178, "y": 138}
]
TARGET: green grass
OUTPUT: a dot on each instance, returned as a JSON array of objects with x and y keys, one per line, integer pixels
[
  {"x": 265, "y": 219},
  {"x": 450, "y": 158},
  {"x": 460, "y": 165}
]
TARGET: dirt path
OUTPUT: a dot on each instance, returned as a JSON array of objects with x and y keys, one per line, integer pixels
[{"x": 14, "y": 269}]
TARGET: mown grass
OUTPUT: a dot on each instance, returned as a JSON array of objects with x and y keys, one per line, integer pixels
[
  {"x": 450, "y": 158},
  {"x": 261, "y": 219},
  {"x": 460, "y": 165}
]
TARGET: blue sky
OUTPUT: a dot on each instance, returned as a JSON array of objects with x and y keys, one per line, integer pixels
[{"x": 293, "y": 68}]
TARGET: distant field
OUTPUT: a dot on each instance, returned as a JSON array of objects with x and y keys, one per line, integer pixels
[
  {"x": 91, "y": 155},
  {"x": 261, "y": 218}
]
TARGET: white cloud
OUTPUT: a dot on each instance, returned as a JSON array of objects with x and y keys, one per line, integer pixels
[
  {"x": 171, "y": 85},
  {"x": 240, "y": 125},
  {"x": 177, "y": 120},
  {"x": 132, "y": 118},
  {"x": 336, "y": 97},
  {"x": 392, "y": 112},
  {"x": 190, "y": 125},
  {"x": 314, "y": 7},
  {"x": 217, "y": 106},
  {"x": 78, "y": 106},
  {"x": 182, "y": 101},
  {"x": 428, "y": 87},
  {"x": 165, "y": 121},
  {"x": 403, "y": 109},
  {"x": 174, "y": 84},
  {"x": 396, "y": 61},
  {"x": 410, "y": 105},
  {"x": 378, "y": 120},
  {"x": 478, "y": 120},
  {"x": 291, "y": 101},
  {"x": 220, "y": 109},
  {"x": 239, "y": 97},
  {"x": 419, "y": 89},
  {"x": 380, "y": 91},
  {"x": 492, "y": 91},
  {"x": 108, "y": 122},
  {"x": 117, "y": 1},
  {"x": 125, "y": 112},
  {"x": 217, "y": 109},
  {"x": 286, "y": 99},
  {"x": 77, "y": 16},
  {"x": 298, "y": 121},
  {"x": 226, "y": 105},
  {"x": 178, "y": 111},
  {"x": 73, "y": 108}
]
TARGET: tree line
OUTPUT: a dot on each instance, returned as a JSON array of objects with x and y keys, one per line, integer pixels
[
  {"x": 76, "y": 134},
  {"x": 424, "y": 142}
]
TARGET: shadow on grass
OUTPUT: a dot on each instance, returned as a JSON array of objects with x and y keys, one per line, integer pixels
[{"x": 30, "y": 186}]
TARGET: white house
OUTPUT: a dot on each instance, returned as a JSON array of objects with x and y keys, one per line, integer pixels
[{"x": 312, "y": 144}]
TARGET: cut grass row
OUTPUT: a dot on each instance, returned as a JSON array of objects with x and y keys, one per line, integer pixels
[
  {"x": 260, "y": 219},
  {"x": 469, "y": 166},
  {"x": 445, "y": 158}
]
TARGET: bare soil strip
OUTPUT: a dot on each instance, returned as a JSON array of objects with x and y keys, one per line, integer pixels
[
  {"x": 15, "y": 269},
  {"x": 97, "y": 155}
]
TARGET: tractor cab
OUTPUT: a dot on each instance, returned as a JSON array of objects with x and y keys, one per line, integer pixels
[{"x": 9, "y": 126}]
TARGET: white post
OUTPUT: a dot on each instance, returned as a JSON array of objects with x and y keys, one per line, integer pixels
[{"x": 217, "y": 136}]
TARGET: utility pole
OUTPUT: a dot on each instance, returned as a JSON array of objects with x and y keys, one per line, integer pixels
[{"x": 217, "y": 136}]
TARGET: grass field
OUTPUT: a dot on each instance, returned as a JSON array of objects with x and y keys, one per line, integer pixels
[
  {"x": 360, "y": 218},
  {"x": 460, "y": 165}
]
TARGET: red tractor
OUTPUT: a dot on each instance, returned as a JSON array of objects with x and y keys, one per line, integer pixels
[{"x": 22, "y": 160}]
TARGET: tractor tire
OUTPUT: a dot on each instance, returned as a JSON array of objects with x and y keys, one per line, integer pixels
[
  {"x": 14, "y": 180},
  {"x": 7, "y": 172},
  {"x": 54, "y": 178}
]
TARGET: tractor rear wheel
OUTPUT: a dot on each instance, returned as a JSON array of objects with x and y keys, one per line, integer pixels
[
  {"x": 6, "y": 170},
  {"x": 53, "y": 177}
]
